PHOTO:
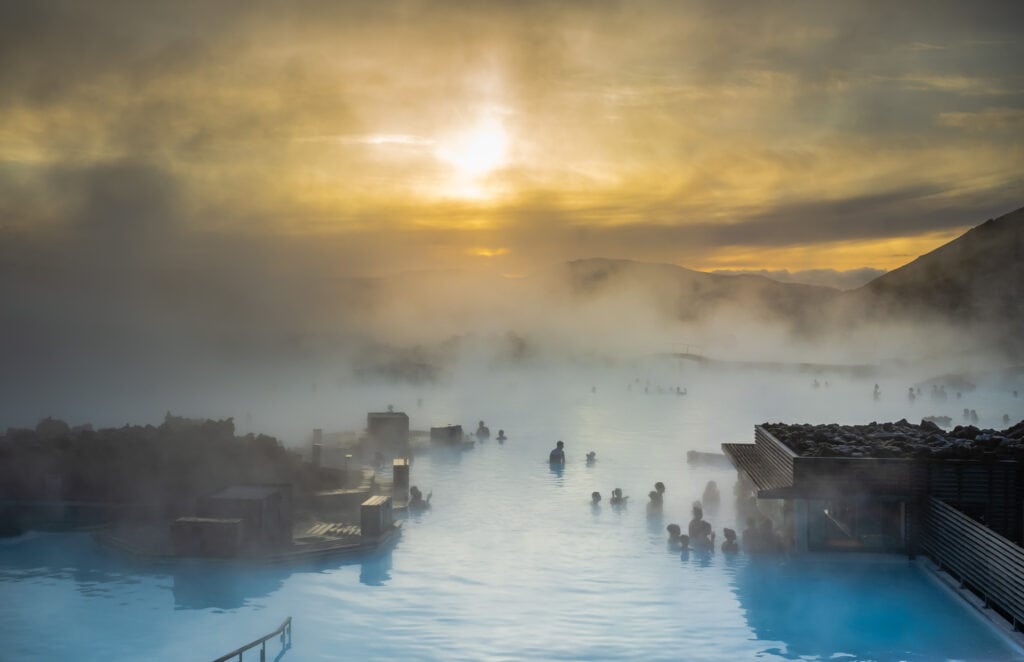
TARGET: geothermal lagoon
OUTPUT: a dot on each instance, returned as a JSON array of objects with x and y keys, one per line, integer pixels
[{"x": 512, "y": 562}]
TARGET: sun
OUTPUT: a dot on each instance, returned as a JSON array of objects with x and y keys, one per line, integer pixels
[{"x": 478, "y": 150}]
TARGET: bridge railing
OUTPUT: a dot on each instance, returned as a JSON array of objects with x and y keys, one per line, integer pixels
[{"x": 285, "y": 631}]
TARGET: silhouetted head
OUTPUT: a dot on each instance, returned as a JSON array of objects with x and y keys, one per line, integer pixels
[
  {"x": 559, "y": 444},
  {"x": 684, "y": 540},
  {"x": 660, "y": 486},
  {"x": 653, "y": 496},
  {"x": 730, "y": 535},
  {"x": 595, "y": 497},
  {"x": 673, "y": 531},
  {"x": 698, "y": 511}
]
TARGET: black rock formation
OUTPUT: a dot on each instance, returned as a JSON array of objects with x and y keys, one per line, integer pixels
[{"x": 901, "y": 439}]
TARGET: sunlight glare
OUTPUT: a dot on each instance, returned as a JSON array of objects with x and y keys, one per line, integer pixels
[{"x": 478, "y": 150}]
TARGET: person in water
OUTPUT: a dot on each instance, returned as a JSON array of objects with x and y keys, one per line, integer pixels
[
  {"x": 705, "y": 540},
  {"x": 654, "y": 505},
  {"x": 696, "y": 524},
  {"x": 751, "y": 537},
  {"x": 501, "y": 436},
  {"x": 416, "y": 500},
  {"x": 675, "y": 536},
  {"x": 595, "y": 498},
  {"x": 482, "y": 431},
  {"x": 617, "y": 498},
  {"x": 557, "y": 455},
  {"x": 711, "y": 497},
  {"x": 591, "y": 457},
  {"x": 729, "y": 545},
  {"x": 659, "y": 487}
]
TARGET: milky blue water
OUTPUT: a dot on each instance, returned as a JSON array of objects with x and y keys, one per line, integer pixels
[{"x": 512, "y": 563}]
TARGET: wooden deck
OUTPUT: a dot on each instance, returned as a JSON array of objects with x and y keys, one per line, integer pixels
[{"x": 333, "y": 530}]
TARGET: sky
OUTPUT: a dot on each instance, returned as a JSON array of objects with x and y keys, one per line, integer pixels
[{"x": 344, "y": 138}]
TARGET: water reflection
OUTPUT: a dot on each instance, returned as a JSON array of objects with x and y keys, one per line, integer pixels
[
  {"x": 194, "y": 583},
  {"x": 202, "y": 585},
  {"x": 73, "y": 557},
  {"x": 376, "y": 571},
  {"x": 205, "y": 585},
  {"x": 876, "y": 610},
  {"x": 701, "y": 557}
]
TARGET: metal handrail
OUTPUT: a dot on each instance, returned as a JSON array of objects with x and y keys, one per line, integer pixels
[{"x": 284, "y": 630}]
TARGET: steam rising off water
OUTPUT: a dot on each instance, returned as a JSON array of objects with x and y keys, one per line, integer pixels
[{"x": 512, "y": 563}]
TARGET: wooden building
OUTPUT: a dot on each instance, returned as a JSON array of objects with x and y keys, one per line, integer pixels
[
  {"x": 264, "y": 510},
  {"x": 872, "y": 503},
  {"x": 388, "y": 427},
  {"x": 448, "y": 434}
]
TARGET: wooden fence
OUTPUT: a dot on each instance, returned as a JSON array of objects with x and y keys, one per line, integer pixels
[{"x": 984, "y": 561}]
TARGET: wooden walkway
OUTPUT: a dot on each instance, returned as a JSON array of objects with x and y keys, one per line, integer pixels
[{"x": 334, "y": 530}]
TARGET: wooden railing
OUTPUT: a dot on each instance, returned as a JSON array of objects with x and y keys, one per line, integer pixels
[
  {"x": 983, "y": 561},
  {"x": 286, "y": 641}
]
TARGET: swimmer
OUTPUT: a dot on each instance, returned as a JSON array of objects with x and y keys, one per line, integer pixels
[
  {"x": 591, "y": 458},
  {"x": 595, "y": 498},
  {"x": 557, "y": 455},
  {"x": 501, "y": 436},
  {"x": 694, "y": 527},
  {"x": 729, "y": 545},
  {"x": 654, "y": 505},
  {"x": 617, "y": 498},
  {"x": 675, "y": 535},
  {"x": 711, "y": 497},
  {"x": 705, "y": 539},
  {"x": 482, "y": 431},
  {"x": 416, "y": 500}
]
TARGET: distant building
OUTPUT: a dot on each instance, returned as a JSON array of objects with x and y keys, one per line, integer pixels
[
  {"x": 207, "y": 536},
  {"x": 389, "y": 427},
  {"x": 265, "y": 512},
  {"x": 449, "y": 434}
]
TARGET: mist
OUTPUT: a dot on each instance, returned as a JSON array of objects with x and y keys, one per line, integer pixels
[{"x": 271, "y": 334}]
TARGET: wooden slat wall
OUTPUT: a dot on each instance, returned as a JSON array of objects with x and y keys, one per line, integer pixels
[
  {"x": 989, "y": 563},
  {"x": 988, "y": 491},
  {"x": 775, "y": 454}
]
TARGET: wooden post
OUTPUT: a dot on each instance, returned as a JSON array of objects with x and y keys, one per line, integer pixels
[{"x": 400, "y": 472}]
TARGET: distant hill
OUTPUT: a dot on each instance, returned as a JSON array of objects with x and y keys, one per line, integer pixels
[
  {"x": 975, "y": 282},
  {"x": 686, "y": 295},
  {"x": 978, "y": 278}
]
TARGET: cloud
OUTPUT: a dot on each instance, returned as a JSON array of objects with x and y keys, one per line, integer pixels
[
  {"x": 729, "y": 125},
  {"x": 989, "y": 119}
]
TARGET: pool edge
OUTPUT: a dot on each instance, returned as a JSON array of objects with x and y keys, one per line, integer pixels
[{"x": 949, "y": 584}]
